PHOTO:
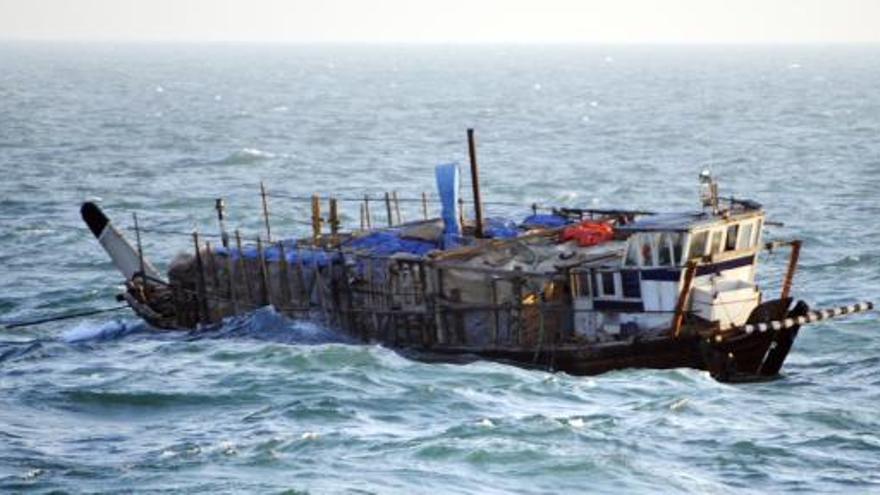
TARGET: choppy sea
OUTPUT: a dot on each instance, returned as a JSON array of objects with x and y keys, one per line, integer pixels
[{"x": 266, "y": 405}]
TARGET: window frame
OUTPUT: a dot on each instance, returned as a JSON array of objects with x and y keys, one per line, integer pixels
[
  {"x": 633, "y": 245},
  {"x": 677, "y": 239},
  {"x": 664, "y": 244},
  {"x": 727, "y": 237},
  {"x": 604, "y": 280},
  {"x": 649, "y": 241},
  {"x": 692, "y": 238},
  {"x": 716, "y": 248},
  {"x": 746, "y": 233}
]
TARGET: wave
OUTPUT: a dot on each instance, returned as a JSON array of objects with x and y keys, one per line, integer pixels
[
  {"x": 264, "y": 324},
  {"x": 268, "y": 324},
  {"x": 88, "y": 331},
  {"x": 246, "y": 156},
  {"x": 12, "y": 350},
  {"x": 851, "y": 260}
]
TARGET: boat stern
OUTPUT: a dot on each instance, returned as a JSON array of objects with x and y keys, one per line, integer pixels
[{"x": 744, "y": 354}]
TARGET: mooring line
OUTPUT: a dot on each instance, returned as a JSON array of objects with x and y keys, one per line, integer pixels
[{"x": 20, "y": 324}]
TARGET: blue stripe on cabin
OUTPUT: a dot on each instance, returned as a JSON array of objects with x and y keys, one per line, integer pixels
[
  {"x": 662, "y": 274},
  {"x": 674, "y": 274},
  {"x": 725, "y": 265},
  {"x": 622, "y": 306}
]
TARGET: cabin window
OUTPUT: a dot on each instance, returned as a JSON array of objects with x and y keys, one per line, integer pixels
[
  {"x": 648, "y": 250},
  {"x": 745, "y": 238},
  {"x": 730, "y": 243},
  {"x": 664, "y": 251},
  {"x": 632, "y": 252},
  {"x": 677, "y": 240},
  {"x": 583, "y": 281},
  {"x": 608, "y": 284},
  {"x": 716, "y": 241},
  {"x": 698, "y": 245},
  {"x": 757, "y": 233},
  {"x": 631, "y": 284}
]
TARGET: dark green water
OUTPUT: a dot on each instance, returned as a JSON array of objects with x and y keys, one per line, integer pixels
[{"x": 103, "y": 404}]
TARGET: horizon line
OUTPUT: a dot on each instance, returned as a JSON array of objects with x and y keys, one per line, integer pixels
[{"x": 402, "y": 42}]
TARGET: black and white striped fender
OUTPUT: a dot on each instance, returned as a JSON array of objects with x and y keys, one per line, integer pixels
[
  {"x": 124, "y": 256},
  {"x": 810, "y": 317}
]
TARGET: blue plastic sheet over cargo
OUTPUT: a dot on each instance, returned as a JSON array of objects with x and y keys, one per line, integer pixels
[
  {"x": 500, "y": 228},
  {"x": 545, "y": 221},
  {"x": 386, "y": 243},
  {"x": 293, "y": 253}
]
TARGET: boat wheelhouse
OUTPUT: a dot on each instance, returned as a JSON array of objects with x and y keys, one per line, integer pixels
[{"x": 715, "y": 253}]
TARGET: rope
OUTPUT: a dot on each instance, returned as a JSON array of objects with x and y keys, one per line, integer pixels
[
  {"x": 47, "y": 319},
  {"x": 380, "y": 198}
]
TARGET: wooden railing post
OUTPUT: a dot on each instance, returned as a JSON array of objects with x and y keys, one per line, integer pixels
[
  {"x": 683, "y": 295},
  {"x": 792, "y": 267}
]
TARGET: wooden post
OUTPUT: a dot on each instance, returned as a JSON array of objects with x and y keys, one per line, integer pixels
[
  {"x": 363, "y": 218},
  {"x": 346, "y": 302},
  {"x": 316, "y": 218},
  {"x": 368, "y": 275},
  {"x": 304, "y": 288},
  {"x": 681, "y": 305},
  {"x": 319, "y": 287},
  {"x": 367, "y": 212},
  {"x": 265, "y": 211},
  {"x": 495, "y": 316},
  {"x": 233, "y": 293},
  {"x": 220, "y": 206},
  {"x": 541, "y": 333},
  {"x": 517, "y": 334},
  {"x": 285, "y": 277},
  {"x": 214, "y": 293},
  {"x": 388, "y": 209},
  {"x": 397, "y": 207},
  {"x": 792, "y": 267},
  {"x": 203, "y": 302},
  {"x": 334, "y": 217},
  {"x": 246, "y": 278},
  {"x": 264, "y": 273},
  {"x": 461, "y": 212},
  {"x": 440, "y": 313},
  {"x": 423, "y": 303},
  {"x": 475, "y": 183},
  {"x": 458, "y": 329},
  {"x": 424, "y": 205},
  {"x": 373, "y": 301},
  {"x": 215, "y": 279}
]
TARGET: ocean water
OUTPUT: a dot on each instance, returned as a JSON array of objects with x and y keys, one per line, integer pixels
[{"x": 267, "y": 405}]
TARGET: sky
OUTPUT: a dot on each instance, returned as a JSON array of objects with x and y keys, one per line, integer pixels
[{"x": 445, "y": 21}]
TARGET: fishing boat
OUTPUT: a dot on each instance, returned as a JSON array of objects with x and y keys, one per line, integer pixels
[{"x": 576, "y": 290}]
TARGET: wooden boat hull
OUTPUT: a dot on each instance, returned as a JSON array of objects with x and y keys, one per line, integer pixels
[
  {"x": 739, "y": 357},
  {"x": 729, "y": 357}
]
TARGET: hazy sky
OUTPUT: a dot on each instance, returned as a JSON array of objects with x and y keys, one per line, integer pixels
[{"x": 604, "y": 21}]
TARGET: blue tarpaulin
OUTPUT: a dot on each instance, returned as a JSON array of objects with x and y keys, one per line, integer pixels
[
  {"x": 500, "y": 228},
  {"x": 545, "y": 221},
  {"x": 448, "y": 183},
  {"x": 294, "y": 254},
  {"x": 388, "y": 242}
]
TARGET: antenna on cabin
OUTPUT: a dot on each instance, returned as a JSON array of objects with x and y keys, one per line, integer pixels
[{"x": 708, "y": 191}]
